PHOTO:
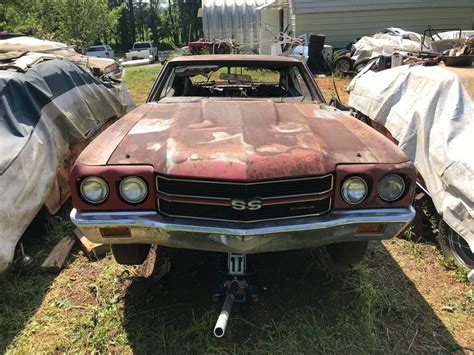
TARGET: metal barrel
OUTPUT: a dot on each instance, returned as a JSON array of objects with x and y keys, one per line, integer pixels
[{"x": 221, "y": 323}]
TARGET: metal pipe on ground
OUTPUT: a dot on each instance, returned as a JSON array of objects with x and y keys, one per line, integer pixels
[{"x": 221, "y": 323}]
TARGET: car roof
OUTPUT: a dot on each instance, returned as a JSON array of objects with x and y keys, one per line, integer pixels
[
  {"x": 235, "y": 58},
  {"x": 99, "y": 45}
]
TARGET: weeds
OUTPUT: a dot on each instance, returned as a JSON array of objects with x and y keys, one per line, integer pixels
[{"x": 140, "y": 80}]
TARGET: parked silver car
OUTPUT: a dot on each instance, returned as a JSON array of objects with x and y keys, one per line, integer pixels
[{"x": 103, "y": 51}]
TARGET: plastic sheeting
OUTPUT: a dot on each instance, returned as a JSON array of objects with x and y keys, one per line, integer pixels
[
  {"x": 454, "y": 35},
  {"x": 430, "y": 113},
  {"x": 234, "y": 19},
  {"x": 386, "y": 43},
  {"x": 54, "y": 104}
]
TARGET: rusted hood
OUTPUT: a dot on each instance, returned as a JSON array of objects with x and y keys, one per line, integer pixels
[{"x": 249, "y": 140}]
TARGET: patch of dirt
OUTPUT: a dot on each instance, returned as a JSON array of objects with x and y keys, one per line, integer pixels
[{"x": 326, "y": 84}]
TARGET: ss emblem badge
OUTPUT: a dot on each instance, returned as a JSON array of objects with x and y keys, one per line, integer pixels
[{"x": 252, "y": 205}]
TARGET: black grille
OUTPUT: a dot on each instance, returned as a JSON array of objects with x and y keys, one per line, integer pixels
[
  {"x": 194, "y": 191},
  {"x": 200, "y": 188},
  {"x": 227, "y": 213}
]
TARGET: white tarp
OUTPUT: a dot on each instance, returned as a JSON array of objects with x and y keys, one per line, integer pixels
[
  {"x": 239, "y": 20},
  {"x": 430, "y": 113},
  {"x": 454, "y": 35},
  {"x": 386, "y": 43}
]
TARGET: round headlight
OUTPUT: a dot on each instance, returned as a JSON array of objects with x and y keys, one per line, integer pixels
[
  {"x": 94, "y": 189},
  {"x": 391, "y": 187},
  {"x": 133, "y": 189},
  {"x": 354, "y": 190}
]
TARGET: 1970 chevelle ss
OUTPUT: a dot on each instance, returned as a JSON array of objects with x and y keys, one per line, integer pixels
[{"x": 240, "y": 154}]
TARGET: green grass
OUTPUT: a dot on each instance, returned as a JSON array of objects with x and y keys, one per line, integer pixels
[{"x": 140, "y": 80}]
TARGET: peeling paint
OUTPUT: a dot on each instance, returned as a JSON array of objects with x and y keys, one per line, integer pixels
[{"x": 248, "y": 140}]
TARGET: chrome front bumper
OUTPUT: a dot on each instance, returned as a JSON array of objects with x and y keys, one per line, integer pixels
[{"x": 149, "y": 227}]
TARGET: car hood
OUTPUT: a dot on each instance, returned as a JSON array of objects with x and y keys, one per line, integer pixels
[{"x": 248, "y": 140}]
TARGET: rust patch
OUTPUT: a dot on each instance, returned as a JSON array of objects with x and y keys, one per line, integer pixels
[{"x": 242, "y": 140}]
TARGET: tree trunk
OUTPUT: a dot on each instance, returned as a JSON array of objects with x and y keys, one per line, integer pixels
[
  {"x": 131, "y": 18},
  {"x": 154, "y": 22},
  {"x": 173, "y": 24}
]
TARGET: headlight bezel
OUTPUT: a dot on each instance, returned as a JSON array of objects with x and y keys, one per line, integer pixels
[
  {"x": 136, "y": 178},
  {"x": 101, "y": 182},
  {"x": 400, "y": 195},
  {"x": 346, "y": 181}
]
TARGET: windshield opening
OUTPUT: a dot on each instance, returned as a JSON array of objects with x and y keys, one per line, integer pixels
[{"x": 281, "y": 81}]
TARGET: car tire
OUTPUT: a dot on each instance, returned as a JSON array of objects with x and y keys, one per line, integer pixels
[
  {"x": 361, "y": 64},
  {"x": 130, "y": 254},
  {"x": 347, "y": 253},
  {"x": 343, "y": 64},
  {"x": 343, "y": 52},
  {"x": 454, "y": 246}
]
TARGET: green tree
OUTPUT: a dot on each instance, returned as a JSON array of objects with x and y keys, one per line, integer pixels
[{"x": 76, "y": 22}]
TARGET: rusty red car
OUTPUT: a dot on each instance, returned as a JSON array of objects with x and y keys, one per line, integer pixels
[{"x": 240, "y": 154}]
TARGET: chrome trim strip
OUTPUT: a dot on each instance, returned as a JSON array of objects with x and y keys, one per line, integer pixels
[
  {"x": 194, "y": 196},
  {"x": 284, "y": 203},
  {"x": 318, "y": 198},
  {"x": 198, "y": 203},
  {"x": 153, "y": 220},
  {"x": 253, "y": 221},
  {"x": 230, "y": 200},
  {"x": 424, "y": 189}
]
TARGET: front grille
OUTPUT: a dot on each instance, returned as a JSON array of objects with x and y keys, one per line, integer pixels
[
  {"x": 279, "y": 199},
  {"x": 218, "y": 189},
  {"x": 227, "y": 213}
]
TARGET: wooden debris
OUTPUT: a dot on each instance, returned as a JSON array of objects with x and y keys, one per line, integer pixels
[
  {"x": 58, "y": 256},
  {"x": 92, "y": 250}
]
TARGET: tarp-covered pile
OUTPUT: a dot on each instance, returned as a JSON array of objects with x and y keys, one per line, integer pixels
[
  {"x": 385, "y": 43},
  {"x": 43, "y": 110},
  {"x": 430, "y": 112}
]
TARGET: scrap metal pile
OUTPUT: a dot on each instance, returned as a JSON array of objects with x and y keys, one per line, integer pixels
[{"x": 54, "y": 101}]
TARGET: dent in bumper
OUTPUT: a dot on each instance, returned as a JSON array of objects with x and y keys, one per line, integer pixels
[{"x": 150, "y": 227}]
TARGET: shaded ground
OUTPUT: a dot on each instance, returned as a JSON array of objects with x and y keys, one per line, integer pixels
[{"x": 404, "y": 297}]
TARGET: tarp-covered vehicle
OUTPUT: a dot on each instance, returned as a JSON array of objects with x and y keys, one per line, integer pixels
[
  {"x": 51, "y": 107},
  {"x": 429, "y": 111}
]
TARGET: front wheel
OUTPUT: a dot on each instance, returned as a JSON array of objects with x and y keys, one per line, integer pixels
[
  {"x": 130, "y": 254},
  {"x": 454, "y": 246},
  {"x": 347, "y": 253}
]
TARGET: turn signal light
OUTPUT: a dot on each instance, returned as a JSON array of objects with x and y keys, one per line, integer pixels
[
  {"x": 115, "y": 232},
  {"x": 370, "y": 228}
]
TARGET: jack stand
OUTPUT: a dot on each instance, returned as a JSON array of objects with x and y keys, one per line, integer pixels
[
  {"x": 235, "y": 289},
  {"x": 236, "y": 272}
]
